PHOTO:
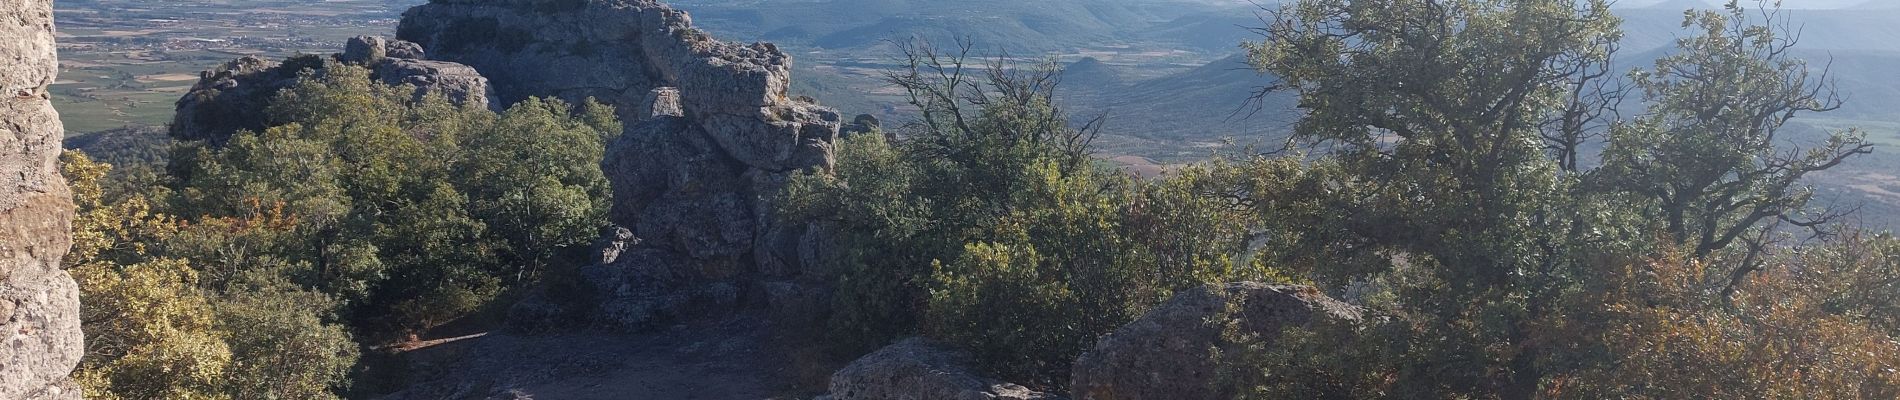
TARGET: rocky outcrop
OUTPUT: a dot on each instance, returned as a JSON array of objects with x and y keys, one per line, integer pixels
[
  {"x": 864, "y": 124},
  {"x": 40, "y": 340},
  {"x": 1171, "y": 352},
  {"x": 620, "y": 51},
  {"x": 457, "y": 82},
  {"x": 364, "y": 50},
  {"x": 370, "y": 50},
  {"x": 649, "y": 287},
  {"x": 233, "y": 97},
  {"x": 711, "y": 137},
  {"x": 918, "y": 369}
]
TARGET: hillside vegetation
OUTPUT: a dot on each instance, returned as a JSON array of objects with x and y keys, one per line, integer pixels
[
  {"x": 1516, "y": 217},
  {"x": 1444, "y": 189},
  {"x": 259, "y": 268}
]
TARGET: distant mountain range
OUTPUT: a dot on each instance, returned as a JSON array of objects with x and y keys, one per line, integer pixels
[{"x": 1013, "y": 25}]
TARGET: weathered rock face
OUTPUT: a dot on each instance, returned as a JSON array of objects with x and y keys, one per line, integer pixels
[
  {"x": 918, "y": 369},
  {"x": 364, "y": 50},
  {"x": 618, "y": 52},
  {"x": 233, "y": 97},
  {"x": 1170, "y": 352},
  {"x": 711, "y": 136},
  {"x": 40, "y": 341},
  {"x": 648, "y": 287},
  {"x": 458, "y": 82}
]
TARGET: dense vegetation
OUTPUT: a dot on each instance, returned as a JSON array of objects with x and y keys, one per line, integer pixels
[
  {"x": 1512, "y": 269},
  {"x": 1461, "y": 169},
  {"x": 991, "y": 219},
  {"x": 262, "y": 265}
]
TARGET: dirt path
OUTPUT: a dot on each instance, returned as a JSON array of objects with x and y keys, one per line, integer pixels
[{"x": 735, "y": 358}]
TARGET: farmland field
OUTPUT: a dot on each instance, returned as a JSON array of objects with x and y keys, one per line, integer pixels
[{"x": 125, "y": 62}]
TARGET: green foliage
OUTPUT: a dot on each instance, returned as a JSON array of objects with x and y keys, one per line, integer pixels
[
  {"x": 1720, "y": 170},
  {"x": 359, "y": 210},
  {"x": 990, "y": 227},
  {"x": 149, "y": 334},
  {"x": 1451, "y": 197},
  {"x": 282, "y": 354},
  {"x": 1441, "y": 197},
  {"x": 539, "y": 169},
  {"x": 879, "y": 265},
  {"x": 137, "y": 154},
  {"x": 156, "y": 329},
  {"x": 410, "y": 212}
]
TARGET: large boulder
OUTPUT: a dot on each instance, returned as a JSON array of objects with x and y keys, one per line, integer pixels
[
  {"x": 364, "y": 50},
  {"x": 40, "y": 340},
  {"x": 1171, "y": 352},
  {"x": 405, "y": 49},
  {"x": 677, "y": 191},
  {"x": 919, "y": 369},
  {"x": 457, "y": 82}
]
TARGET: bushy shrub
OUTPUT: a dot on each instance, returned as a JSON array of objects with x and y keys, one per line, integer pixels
[
  {"x": 1452, "y": 200},
  {"x": 155, "y": 328},
  {"x": 999, "y": 233},
  {"x": 409, "y": 212},
  {"x": 359, "y": 212}
]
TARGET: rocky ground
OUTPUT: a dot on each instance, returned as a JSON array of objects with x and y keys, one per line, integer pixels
[{"x": 738, "y": 357}]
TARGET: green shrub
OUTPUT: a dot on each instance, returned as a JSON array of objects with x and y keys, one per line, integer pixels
[{"x": 999, "y": 233}]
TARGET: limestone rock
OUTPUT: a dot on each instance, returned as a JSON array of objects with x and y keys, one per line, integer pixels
[
  {"x": 536, "y": 313},
  {"x": 620, "y": 51},
  {"x": 662, "y": 102},
  {"x": 40, "y": 340},
  {"x": 405, "y": 49},
  {"x": 1169, "y": 353},
  {"x": 614, "y": 240},
  {"x": 919, "y": 369},
  {"x": 457, "y": 82},
  {"x": 364, "y": 50}
]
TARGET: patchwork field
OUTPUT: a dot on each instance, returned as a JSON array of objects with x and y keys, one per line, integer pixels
[{"x": 125, "y": 62}]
